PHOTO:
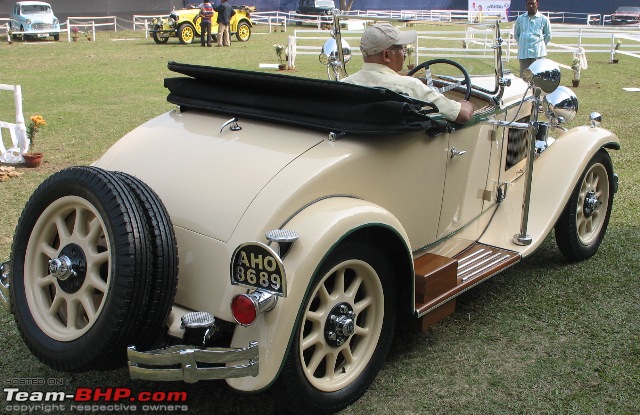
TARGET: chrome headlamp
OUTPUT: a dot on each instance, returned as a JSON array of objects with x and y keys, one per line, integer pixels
[
  {"x": 329, "y": 53},
  {"x": 561, "y": 105},
  {"x": 543, "y": 73}
]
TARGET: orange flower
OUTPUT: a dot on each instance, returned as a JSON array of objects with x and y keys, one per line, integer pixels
[{"x": 36, "y": 121}]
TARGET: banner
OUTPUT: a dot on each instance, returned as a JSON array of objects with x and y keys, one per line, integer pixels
[{"x": 481, "y": 10}]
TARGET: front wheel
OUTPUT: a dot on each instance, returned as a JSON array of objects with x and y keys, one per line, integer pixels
[
  {"x": 582, "y": 225},
  {"x": 244, "y": 32},
  {"x": 186, "y": 34},
  {"x": 343, "y": 332},
  {"x": 161, "y": 40}
]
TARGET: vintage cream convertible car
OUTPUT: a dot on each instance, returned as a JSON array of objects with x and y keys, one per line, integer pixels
[{"x": 310, "y": 218}]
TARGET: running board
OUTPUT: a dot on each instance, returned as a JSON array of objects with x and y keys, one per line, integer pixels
[{"x": 439, "y": 280}]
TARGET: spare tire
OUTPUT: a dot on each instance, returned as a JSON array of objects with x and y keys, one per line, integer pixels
[
  {"x": 164, "y": 263},
  {"x": 81, "y": 268}
]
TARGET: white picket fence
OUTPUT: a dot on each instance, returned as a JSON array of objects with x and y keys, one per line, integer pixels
[{"x": 17, "y": 131}]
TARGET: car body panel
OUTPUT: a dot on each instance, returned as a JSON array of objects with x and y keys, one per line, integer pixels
[{"x": 212, "y": 155}]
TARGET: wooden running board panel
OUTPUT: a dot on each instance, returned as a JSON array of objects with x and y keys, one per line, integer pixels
[{"x": 474, "y": 265}]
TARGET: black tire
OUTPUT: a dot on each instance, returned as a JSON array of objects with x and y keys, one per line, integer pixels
[
  {"x": 164, "y": 265},
  {"x": 243, "y": 33},
  {"x": 86, "y": 215},
  {"x": 159, "y": 39},
  {"x": 333, "y": 385},
  {"x": 56, "y": 37},
  {"x": 186, "y": 33},
  {"x": 583, "y": 223}
]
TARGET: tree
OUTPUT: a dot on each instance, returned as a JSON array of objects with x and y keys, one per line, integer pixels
[{"x": 345, "y": 5}]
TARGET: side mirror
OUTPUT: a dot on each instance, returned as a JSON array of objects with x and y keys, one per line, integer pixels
[{"x": 543, "y": 73}]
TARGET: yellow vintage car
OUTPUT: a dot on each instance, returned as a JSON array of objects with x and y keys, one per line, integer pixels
[{"x": 185, "y": 25}]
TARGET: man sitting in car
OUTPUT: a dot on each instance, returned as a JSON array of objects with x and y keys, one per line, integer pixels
[{"x": 383, "y": 50}]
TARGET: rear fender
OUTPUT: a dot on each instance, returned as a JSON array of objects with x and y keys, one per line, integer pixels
[{"x": 321, "y": 226}]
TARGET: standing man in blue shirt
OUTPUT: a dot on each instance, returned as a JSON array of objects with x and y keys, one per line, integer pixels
[
  {"x": 532, "y": 31},
  {"x": 225, "y": 13},
  {"x": 206, "y": 13}
]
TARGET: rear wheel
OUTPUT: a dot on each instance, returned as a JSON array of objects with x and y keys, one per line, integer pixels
[
  {"x": 56, "y": 37},
  {"x": 186, "y": 33},
  {"x": 244, "y": 32},
  {"x": 343, "y": 333},
  {"x": 582, "y": 225}
]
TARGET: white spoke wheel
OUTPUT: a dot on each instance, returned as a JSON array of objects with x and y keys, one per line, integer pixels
[
  {"x": 582, "y": 225},
  {"x": 343, "y": 333},
  {"x": 81, "y": 268},
  {"x": 66, "y": 301}
]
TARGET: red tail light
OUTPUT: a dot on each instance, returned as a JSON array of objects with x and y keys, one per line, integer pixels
[
  {"x": 243, "y": 309},
  {"x": 246, "y": 307}
]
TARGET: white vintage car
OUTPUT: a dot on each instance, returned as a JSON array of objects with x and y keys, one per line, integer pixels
[
  {"x": 33, "y": 19},
  {"x": 307, "y": 217}
]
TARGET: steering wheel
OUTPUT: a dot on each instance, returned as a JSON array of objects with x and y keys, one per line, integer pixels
[{"x": 429, "y": 79}]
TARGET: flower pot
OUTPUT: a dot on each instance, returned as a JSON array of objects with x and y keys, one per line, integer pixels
[
  {"x": 575, "y": 82},
  {"x": 32, "y": 159},
  {"x": 282, "y": 66},
  {"x": 75, "y": 38},
  {"x": 614, "y": 61}
]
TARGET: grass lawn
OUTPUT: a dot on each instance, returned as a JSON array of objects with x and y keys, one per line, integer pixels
[{"x": 545, "y": 337}]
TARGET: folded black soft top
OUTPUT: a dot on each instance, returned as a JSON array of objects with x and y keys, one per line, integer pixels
[{"x": 323, "y": 105}]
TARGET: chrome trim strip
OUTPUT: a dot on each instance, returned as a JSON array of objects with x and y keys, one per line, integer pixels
[
  {"x": 160, "y": 364},
  {"x": 495, "y": 260},
  {"x": 5, "y": 283}
]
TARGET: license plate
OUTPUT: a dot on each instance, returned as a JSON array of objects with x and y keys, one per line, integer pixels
[{"x": 256, "y": 265}]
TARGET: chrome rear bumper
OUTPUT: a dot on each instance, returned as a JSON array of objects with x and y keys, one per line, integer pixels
[
  {"x": 191, "y": 364},
  {"x": 5, "y": 281}
]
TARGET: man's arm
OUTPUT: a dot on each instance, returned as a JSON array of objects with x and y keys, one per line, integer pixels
[
  {"x": 546, "y": 31},
  {"x": 516, "y": 30}
]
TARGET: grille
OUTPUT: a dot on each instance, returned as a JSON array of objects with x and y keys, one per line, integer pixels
[{"x": 43, "y": 26}]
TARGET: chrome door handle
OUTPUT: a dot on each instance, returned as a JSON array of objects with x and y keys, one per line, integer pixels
[{"x": 454, "y": 152}]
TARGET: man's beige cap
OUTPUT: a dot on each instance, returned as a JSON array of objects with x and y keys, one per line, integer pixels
[{"x": 379, "y": 37}]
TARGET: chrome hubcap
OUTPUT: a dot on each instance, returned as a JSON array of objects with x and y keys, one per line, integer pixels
[
  {"x": 591, "y": 203},
  {"x": 340, "y": 325}
]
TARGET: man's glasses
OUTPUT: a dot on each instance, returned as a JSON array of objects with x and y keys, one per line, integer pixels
[{"x": 403, "y": 48}]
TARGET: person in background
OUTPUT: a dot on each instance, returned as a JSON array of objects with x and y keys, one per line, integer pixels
[
  {"x": 532, "y": 31},
  {"x": 206, "y": 13},
  {"x": 225, "y": 13},
  {"x": 383, "y": 51}
]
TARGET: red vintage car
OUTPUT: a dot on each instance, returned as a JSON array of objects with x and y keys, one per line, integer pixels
[{"x": 626, "y": 15}]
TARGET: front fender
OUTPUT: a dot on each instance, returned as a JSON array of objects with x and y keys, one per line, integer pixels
[
  {"x": 555, "y": 174},
  {"x": 321, "y": 226}
]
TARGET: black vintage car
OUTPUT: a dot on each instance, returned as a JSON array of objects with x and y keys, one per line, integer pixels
[{"x": 316, "y": 7}]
